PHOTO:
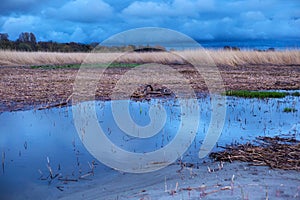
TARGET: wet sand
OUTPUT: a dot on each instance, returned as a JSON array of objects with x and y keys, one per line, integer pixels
[{"x": 234, "y": 181}]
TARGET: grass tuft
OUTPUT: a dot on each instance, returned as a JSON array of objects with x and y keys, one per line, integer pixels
[
  {"x": 288, "y": 110},
  {"x": 296, "y": 94},
  {"x": 256, "y": 94}
]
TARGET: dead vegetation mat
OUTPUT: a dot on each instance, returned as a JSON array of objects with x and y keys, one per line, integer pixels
[
  {"x": 24, "y": 88},
  {"x": 275, "y": 152}
]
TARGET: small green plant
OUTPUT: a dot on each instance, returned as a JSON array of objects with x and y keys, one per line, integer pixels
[
  {"x": 63, "y": 66},
  {"x": 256, "y": 94},
  {"x": 296, "y": 94},
  {"x": 288, "y": 110}
]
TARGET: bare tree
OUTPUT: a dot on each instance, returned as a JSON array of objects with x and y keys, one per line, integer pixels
[{"x": 27, "y": 38}]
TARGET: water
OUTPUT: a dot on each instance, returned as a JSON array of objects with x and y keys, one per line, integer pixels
[
  {"x": 29, "y": 139},
  {"x": 262, "y": 44}
]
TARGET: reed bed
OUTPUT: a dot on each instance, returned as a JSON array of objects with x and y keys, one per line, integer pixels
[
  {"x": 219, "y": 57},
  {"x": 275, "y": 152},
  {"x": 235, "y": 58}
]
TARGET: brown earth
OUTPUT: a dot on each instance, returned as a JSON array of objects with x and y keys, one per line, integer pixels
[{"x": 24, "y": 88}]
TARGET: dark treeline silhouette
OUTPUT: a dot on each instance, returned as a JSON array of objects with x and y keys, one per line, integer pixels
[{"x": 27, "y": 42}]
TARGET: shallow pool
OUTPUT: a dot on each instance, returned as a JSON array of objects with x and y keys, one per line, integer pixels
[{"x": 35, "y": 142}]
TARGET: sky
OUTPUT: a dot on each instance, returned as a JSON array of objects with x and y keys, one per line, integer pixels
[{"x": 89, "y": 21}]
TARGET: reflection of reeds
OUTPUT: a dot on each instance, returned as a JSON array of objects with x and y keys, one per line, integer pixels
[
  {"x": 61, "y": 188},
  {"x": 3, "y": 160},
  {"x": 48, "y": 166},
  {"x": 89, "y": 173},
  {"x": 65, "y": 179},
  {"x": 25, "y": 145},
  {"x": 220, "y": 57},
  {"x": 52, "y": 176},
  {"x": 85, "y": 175}
]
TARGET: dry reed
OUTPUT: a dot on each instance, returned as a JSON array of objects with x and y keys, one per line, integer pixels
[
  {"x": 276, "y": 152},
  {"x": 219, "y": 57}
]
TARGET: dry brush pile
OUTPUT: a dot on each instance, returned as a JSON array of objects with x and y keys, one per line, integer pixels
[{"x": 275, "y": 152}]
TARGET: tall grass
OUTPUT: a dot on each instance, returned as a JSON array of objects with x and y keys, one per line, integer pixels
[{"x": 219, "y": 57}]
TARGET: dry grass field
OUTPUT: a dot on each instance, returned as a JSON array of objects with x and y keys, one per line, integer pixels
[
  {"x": 220, "y": 57},
  {"x": 24, "y": 87}
]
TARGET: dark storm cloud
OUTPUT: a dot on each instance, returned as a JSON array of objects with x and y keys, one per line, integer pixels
[
  {"x": 9, "y": 7},
  {"x": 95, "y": 20},
  {"x": 15, "y": 6}
]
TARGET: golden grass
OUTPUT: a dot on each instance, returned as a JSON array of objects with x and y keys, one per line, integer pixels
[{"x": 219, "y": 57}]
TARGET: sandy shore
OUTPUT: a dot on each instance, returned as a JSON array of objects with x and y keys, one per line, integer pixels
[
  {"x": 234, "y": 181},
  {"x": 23, "y": 87}
]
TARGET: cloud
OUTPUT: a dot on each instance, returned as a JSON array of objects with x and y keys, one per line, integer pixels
[
  {"x": 147, "y": 9},
  {"x": 186, "y": 8},
  {"x": 43, "y": 29},
  {"x": 57, "y": 36},
  {"x": 78, "y": 35},
  {"x": 15, "y": 25},
  {"x": 192, "y": 8},
  {"x": 96, "y": 20},
  {"x": 85, "y": 11},
  {"x": 253, "y": 16},
  {"x": 8, "y": 6},
  {"x": 25, "y": 7}
]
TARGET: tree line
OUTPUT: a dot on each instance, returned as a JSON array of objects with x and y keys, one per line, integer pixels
[{"x": 27, "y": 42}]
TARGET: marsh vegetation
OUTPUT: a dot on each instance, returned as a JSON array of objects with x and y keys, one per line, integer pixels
[{"x": 219, "y": 57}]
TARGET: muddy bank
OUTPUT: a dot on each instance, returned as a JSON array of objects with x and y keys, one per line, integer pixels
[{"x": 23, "y": 88}]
